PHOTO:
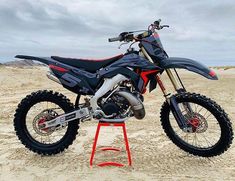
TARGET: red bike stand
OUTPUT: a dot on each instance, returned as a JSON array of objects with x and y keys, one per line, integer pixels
[{"x": 121, "y": 124}]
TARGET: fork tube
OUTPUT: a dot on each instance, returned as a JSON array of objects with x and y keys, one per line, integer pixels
[
  {"x": 168, "y": 71},
  {"x": 159, "y": 81},
  {"x": 146, "y": 54},
  {"x": 173, "y": 80},
  {"x": 177, "y": 88}
]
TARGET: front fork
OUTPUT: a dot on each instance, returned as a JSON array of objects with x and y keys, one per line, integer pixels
[
  {"x": 171, "y": 99},
  {"x": 178, "y": 89}
]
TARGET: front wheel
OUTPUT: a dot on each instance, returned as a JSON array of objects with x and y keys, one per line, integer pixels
[{"x": 209, "y": 130}]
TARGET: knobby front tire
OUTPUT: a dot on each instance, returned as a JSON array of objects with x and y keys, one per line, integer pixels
[{"x": 221, "y": 120}]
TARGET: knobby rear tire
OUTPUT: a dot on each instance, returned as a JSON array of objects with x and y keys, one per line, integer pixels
[
  {"x": 21, "y": 128},
  {"x": 222, "y": 118}
]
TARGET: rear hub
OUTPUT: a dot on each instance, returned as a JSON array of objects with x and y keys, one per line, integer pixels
[{"x": 39, "y": 122}]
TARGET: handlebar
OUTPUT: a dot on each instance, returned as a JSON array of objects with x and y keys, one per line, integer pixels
[
  {"x": 114, "y": 39},
  {"x": 124, "y": 36},
  {"x": 129, "y": 36}
]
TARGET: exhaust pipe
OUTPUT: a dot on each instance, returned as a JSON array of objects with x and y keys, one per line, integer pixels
[
  {"x": 51, "y": 76},
  {"x": 136, "y": 104}
]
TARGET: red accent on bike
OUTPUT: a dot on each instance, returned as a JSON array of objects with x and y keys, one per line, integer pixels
[
  {"x": 156, "y": 35},
  {"x": 195, "y": 123},
  {"x": 144, "y": 90},
  {"x": 111, "y": 148},
  {"x": 144, "y": 76},
  {"x": 60, "y": 69},
  {"x": 160, "y": 84},
  {"x": 212, "y": 73}
]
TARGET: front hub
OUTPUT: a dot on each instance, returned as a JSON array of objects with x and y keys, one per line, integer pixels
[{"x": 196, "y": 123}]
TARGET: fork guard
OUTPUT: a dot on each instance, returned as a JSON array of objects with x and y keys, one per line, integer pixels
[
  {"x": 191, "y": 65},
  {"x": 177, "y": 113}
]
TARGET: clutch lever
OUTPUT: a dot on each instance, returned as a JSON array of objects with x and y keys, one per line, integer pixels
[{"x": 164, "y": 26}]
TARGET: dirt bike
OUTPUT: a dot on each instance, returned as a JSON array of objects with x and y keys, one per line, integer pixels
[{"x": 47, "y": 122}]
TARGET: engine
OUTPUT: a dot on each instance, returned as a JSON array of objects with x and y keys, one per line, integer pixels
[
  {"x": 115, "y": 105},
  {"x": 117, "y": 102},
  {"x": 122, "y": 104}
]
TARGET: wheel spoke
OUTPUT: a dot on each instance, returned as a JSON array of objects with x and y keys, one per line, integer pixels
[
  {"x": 42, "y": 110},
  {"x": 49, "y": 139},
  {"x": 203, "y": 135},
  {"x": 195, "y": 107},
  {"x": 208, "y": 116},
  {"x": 200, "y": 110},
  {"x": 205, "y": 113},
  {"x": 196, "y": 140}
]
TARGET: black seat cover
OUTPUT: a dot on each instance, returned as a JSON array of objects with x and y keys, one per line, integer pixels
[{"x": 87, "y": 64}]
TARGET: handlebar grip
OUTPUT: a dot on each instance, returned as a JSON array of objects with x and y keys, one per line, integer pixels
[
  {"x": 157, "y": 22},
  {"x": 114, "y": 39}
]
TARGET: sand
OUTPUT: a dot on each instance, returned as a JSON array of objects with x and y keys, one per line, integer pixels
[{"x": 154, "y": 156}]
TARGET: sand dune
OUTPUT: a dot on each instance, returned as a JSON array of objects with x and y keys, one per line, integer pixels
[{"x": 154, "y": 156}]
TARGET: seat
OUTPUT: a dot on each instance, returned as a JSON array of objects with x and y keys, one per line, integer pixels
[{"x": 87, "y": 64}]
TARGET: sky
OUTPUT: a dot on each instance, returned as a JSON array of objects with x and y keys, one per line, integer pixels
[{"x": 203, "y": 30}]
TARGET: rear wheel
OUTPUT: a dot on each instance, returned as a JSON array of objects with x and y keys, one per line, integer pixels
[
  {"x": 34, "y": 110},
  {"x": 209, "y": 130}
]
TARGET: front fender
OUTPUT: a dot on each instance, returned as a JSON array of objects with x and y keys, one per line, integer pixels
[{"x": 191, "y": 65}]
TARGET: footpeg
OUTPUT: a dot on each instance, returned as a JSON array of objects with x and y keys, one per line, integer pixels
[{"x": 99, "y": 114}]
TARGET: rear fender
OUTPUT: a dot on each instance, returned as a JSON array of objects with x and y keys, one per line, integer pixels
[
  {"x": 72, "y": 78},
  {"x": 191, "y": 65},
  {"x": 55, "y": 66},
  {"x": 40, "y": 59}
]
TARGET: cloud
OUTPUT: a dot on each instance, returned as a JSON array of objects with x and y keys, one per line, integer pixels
[
  {"x": 80, "y": 28},
  {"x": 37, "y": 17}
]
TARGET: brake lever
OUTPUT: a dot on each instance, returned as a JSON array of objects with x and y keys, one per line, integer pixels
[{"x": 164, "y": 26}]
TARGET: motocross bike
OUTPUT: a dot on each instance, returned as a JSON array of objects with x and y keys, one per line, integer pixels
[{"x": 112, "y": 89}]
